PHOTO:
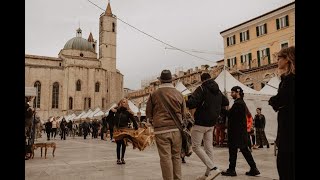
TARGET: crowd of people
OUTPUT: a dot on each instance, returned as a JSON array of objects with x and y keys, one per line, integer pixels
[
  {"x": 211, "y": 113},
  {"x": 213, "y": 119}
]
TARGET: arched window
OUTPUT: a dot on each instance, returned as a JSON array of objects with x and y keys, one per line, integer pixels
[
  {"x": 55, "y": 95},
  {"x": 102, "y": 103},
  {"x": 70, "y": 102},
  {"x": 36, "y": 102},
  {"x": 89, "y": 102},
  {"x": 113, "y": 27},
  {"x": 85, "y": 103},
  {"x": 78, "y": 85},
  {"x": 97, "y": 87}
]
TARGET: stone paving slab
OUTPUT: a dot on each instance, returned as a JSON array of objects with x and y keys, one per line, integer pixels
[{"x": 95, "y": 159}]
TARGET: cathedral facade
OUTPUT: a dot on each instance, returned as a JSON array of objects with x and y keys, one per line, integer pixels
[{"x": 79, "y": 78}]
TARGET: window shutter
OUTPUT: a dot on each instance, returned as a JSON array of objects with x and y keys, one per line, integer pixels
[
  {"x": 227, "y": 41},
  {"x": 234, "y": 39},
  {"x": 249, "y": 60},
  {"x": 265, "y": 28},
  {"x": 235, "y": 61},
  {"x": 257, "y": 30},
  {"x": 268, "y": 54},
  {"x": 278, "y": 25},
  {"x": 258, "y": 58},
  {"x": 241, "y": 58},
  {"x": 248, "y": 35},
  {"x": 228, "y": 61},
  {"x": 287, "y": 20},
  {"x": 240, "y": 37}
]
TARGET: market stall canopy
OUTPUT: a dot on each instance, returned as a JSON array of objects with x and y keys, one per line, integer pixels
[
  {"x": 94, "y": 112},
  {"x": 79, "y": 116},
  {"x": 135, "y": 109},
  {"x": 273, "y": 88},
  {"x": 86, "y": 115},
  {"x": 30, "y": 91},
  {"x": 181, "y": 88},
  {"x": 112, "y": 106},
  {"x": 71, "y": 117},
  {"x": 98, "y": 114},
  {"x": 225, "y": 76}
]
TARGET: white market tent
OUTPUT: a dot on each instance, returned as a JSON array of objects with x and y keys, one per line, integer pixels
[
  {"x": 79, "y": 116},
  {"x": 181, "y": 88},
  {"x": 71, "y": 117},
  {"x": 273, "y": 88},
  {"x": 253, "y": 99},
  {"x": 135, "y": 109},
  {"x": 226, "y": 80},
  {"x": 98, "y": 114},
  {"x": 86, "y": 114},
  {"x": 112, "y": 106},
  {"x": 30, "y": 91},
  {"x": 94, "y": 112}
]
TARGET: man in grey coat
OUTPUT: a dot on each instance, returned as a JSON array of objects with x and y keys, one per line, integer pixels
[{"x": 167, "y": 135}]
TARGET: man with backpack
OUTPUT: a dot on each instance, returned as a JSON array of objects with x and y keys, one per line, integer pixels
[{"x": 207, "y": 99}]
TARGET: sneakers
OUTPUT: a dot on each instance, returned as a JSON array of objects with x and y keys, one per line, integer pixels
[
  {"x": 214, "y": 172},
  {"x": 229, "y": 173},
  {"x": 119, "y": 162},
  {"x": 253, "y": 172},
  {"x": 122, "y": 161}
]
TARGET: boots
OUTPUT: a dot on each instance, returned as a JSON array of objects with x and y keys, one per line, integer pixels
[{"x": 253, "y": 172}]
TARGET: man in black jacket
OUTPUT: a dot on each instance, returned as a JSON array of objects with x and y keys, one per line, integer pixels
[
  {"x": 207, "y": 98},
  {"x": 238, "y": 135}
]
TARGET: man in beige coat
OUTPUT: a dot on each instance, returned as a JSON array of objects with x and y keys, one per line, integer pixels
[{"x": 167, "y": 135}]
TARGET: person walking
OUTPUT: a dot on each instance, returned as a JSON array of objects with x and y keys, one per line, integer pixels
[
  {"x": 260, "y": 123},
  {"x": 63, "y": 128},
  {"x": 104, "y": 127},
  {"x": 48, "y": 127},
  {"x": 207, "y": 99},
  {"x": 121, "y": 116},
  {"x": 54, "y": 128},
  {"x": 284, "y": 104},
  {"x": 238, "y": 135},
  {"x": 167, "y": 135}
]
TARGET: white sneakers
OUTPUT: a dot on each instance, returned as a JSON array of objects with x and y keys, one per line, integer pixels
[{"x": 214, "y": 173}]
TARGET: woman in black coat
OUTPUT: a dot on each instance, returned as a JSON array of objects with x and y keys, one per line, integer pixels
[
  {"x": 283, "y": 103},
  {"x": 121, "y": 117}
]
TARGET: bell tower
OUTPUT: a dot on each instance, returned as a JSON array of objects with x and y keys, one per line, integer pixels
[{"x": 107, "y": 40}]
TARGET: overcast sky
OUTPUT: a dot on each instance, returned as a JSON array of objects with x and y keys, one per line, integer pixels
[{"x": 185, "y": 24}]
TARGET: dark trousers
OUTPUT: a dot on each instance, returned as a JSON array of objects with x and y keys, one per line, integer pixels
[
  {"x": 53, "y": 130},
  {"x": 285, "y": 165},
  {"x": 121, "y": 143},
  {"x": 48, "y": 135},
  {"x": 63, "y": 134},
  {"x": 233, "y": 157},
  {"x": 111, "y": 133}
]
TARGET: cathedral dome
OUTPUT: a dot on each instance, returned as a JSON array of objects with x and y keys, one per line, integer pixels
[{"x": 79, "y": 43}]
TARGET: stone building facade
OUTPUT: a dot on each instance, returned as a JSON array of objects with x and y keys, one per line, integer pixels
[
  {"x": 250, "y": 49},
  {"x": 78, "y": 79}
]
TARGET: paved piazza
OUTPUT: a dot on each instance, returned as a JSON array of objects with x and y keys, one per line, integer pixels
[{"x": 95, "y": 159}]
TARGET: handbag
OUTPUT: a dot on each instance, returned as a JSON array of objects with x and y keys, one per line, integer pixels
[{"x": 182, "y": 126}]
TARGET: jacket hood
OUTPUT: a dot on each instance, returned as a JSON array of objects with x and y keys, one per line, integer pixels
[{"x": 212, "y": 86}]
